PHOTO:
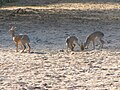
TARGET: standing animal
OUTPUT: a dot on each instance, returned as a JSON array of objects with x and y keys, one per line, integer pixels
[
  {"x": 71, "y": 42},
  {"x": 20, "y": 39},
  {"x": 93, "y": 37}
]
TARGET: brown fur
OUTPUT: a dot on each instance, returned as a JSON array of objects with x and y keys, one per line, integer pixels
[
  {"x": 71, "y": 42},
  {"x": 92, "y": 37},
  {"x": 21, "y": 40}
]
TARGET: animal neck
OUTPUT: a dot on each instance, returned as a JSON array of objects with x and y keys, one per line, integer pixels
[
  {"x": 13, "y": 34},
  {"x": 85, "y": 44}
]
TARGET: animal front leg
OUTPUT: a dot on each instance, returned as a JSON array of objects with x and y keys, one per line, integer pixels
[
  {"x": 67, "y": 46},
  {"x": 16, "y": 47},
  {"x": 101, "y": 43},
  {"x": 86, "y": 44},
  {"x": 72, "y": 47},
  {"x": 93, "y": 44}
]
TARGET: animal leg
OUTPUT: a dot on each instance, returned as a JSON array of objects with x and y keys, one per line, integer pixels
[
  {"x": 29, "y": 47},
  {"x": 16, "y": 47},
  {"x": 23, "y": 47},
  {"x": 93, "y": 44},
  {"x": 67, "y": 47},
  {"x": 101, "y": 43},
  {"x": 72, "y": 47}
]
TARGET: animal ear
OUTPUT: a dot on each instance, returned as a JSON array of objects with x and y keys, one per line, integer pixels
[{"x": 14, "y": 28}]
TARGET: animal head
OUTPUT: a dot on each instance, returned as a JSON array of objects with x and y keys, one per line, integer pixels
[
  {"x": 12, "y": 29},
  {"x": 82, "y": 46}
]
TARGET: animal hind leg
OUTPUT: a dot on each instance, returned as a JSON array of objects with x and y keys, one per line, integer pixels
[
  {"x": 24, "y": 47},
  {"x": 101, "y": 43},
  {"x": 28, "y": 47},
  {"x": 69, "y": 46}
]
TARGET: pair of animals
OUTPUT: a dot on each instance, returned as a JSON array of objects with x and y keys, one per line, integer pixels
[{"x": 71, "y": 42}]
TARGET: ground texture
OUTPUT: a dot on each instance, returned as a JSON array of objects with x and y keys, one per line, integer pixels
[{"x": 49, "y": 66}]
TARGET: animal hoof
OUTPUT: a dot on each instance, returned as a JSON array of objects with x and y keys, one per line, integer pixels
[{"x": 22, "y": 51}]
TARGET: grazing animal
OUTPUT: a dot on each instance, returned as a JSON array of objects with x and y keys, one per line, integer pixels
[
  {"x": 20, "y": 39},
  {"x": 93, "y": 37},
  {"x": 71, "y": 42}
]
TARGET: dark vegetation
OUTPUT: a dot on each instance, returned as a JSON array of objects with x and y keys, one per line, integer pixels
[
  {"x": 47, "y": 2},
  {"x": 27, "y": 14},
  {"x": 3, "y": 2}
]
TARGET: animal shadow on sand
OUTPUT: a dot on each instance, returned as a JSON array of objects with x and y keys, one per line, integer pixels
[{"x": 37, "y": 52}]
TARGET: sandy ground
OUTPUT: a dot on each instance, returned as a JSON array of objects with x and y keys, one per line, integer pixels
[{"x": 49, "y": 66}]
